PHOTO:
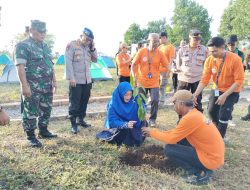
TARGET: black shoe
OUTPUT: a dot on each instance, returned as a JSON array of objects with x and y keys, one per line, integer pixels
[
  {"x": 44, "y": 133},
  {"x": 32, "y": 140},
  {"x": 246, "y": 117},
  {"x": 83, "y": 123},
  {"x": 74, "y": 128},
  {"x": 35, "y": 143}
]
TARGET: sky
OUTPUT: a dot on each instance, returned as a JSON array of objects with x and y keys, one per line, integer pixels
[{"x": 108, "y": 19}]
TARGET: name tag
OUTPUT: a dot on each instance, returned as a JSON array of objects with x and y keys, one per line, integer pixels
[{"x": 216, "y": 93}]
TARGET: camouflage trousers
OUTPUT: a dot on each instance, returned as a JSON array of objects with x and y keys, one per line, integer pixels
[{"x": 36, "y": 109}]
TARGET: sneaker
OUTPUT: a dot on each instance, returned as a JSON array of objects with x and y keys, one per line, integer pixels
[
  {"x": 231, "y": 123},
  {"x": 202, "y": 179},
  {"x": 34, "y": 143},
  {"x": 246, "y": 117},
  {"x": 152, "y": 123}
]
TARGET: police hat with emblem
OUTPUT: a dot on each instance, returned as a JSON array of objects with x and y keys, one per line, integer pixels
[
  {"x": 195, "y": 33},
  {"x": 88, "y": 33},
  {"x": 38, "y": 26}
]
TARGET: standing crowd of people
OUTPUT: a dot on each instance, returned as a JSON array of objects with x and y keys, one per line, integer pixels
[{"x": 195, "y": 144}]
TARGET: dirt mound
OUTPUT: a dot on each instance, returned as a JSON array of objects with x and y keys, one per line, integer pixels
[{"x": 148, "y": 156}]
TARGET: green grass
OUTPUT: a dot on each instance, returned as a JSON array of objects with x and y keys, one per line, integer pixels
[
  {"x": 81, "y": 162},
  {"x": 11, "y": 92}
]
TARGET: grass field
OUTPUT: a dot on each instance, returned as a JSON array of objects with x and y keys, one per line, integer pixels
[
  {"x": 11, "y": 92},
  {"x": 81, "y": 162}
]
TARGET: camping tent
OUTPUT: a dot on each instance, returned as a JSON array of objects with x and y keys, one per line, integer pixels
[
  {"x": 108, "y": 61},
  {"x": 99, "y": 71},
  {"x": 4, "y": 60},
  {"x": 60, "y": 60},
  {"x": 9, "y": 74}
]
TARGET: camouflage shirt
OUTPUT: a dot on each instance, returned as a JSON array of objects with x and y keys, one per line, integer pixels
[{"x": 36, "y": 56}]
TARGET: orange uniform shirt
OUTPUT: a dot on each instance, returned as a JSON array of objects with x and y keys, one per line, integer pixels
[
  {"x": 123, "y": 68},
  {"x": 232, "y": 72},
  {"x": 141, "y": 62},
  {"x": 168, "y": 50},
  {"x": 205, "y": 138}
]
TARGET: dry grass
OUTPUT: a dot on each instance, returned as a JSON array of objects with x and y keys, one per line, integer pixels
[
  {"x": 11, "y": 92},
  {"x": 81, "y": 162}
]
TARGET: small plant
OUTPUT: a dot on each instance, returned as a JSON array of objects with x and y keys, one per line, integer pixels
[{"x": 140, "y": 98}]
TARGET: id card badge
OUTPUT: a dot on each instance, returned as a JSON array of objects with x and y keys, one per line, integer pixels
[
  {"x": 216, "y": 93},
  {"x": 150, "y": 75}
]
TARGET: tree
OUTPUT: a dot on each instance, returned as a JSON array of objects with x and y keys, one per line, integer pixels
[
  {"x": 188, "y": 15},
  {"x": 134, "y": 34},
  {"x": 156, "y": 26},
  {"x": 236, "y": 20}
]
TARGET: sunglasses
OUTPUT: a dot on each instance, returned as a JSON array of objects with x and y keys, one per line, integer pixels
[{"x": 231, "y": 44}]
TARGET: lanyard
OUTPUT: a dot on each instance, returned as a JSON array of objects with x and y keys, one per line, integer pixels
[
  {"x": 150, "y": 59},
  {"x": 219, "y": 72}
]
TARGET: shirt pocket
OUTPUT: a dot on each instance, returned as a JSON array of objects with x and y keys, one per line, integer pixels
[
  {"x": 185, "y": 60},
  {"x": 36, "y": 56},
  {"x": 78, "y": 56},
  {"x": 200, "y": 60}
]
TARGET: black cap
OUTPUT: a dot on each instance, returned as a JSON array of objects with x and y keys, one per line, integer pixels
[
  {"x": 162, "y": 34},
  {"x": 195, "y": 33},
  {"x": 216, "y": 41},
  {"x": 232, "y": 39}
]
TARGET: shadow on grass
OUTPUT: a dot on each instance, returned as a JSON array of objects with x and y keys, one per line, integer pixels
[{"x": 152, "y": 156}]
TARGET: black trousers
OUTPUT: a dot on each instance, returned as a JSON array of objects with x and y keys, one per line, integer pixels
[
  {"x": 175, "y": 81},
  {"x": 124, "y": 79},
  {"x": 220, "y": 114},
  {"x": 78, "y": 99},
  {"x": 192, "y": 87}
]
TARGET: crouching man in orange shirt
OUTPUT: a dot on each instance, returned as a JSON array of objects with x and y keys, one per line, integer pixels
[
  {"x": 225, "y": 68},
  {"x": 194, "y": 144}
]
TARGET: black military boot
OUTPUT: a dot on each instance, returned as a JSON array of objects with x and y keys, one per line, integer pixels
[
  {"x": 74, "y": 129},
  {"x": 32, "y": 140},
  {"x": 44, "y": 133},
  {"x": 83, "y": 123},
  {"x": 246, "y": 117}
]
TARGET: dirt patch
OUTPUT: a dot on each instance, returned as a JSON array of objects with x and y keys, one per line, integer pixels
[{"x": 152, "y": 156}]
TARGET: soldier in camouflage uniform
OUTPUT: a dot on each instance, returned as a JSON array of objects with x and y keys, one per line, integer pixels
[{"x": 37, "y": 79}]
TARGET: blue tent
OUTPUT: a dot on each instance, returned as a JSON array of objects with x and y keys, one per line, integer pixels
[
  {"x": 60, "y": 60},
  {"x": 99, "y": 71},
  {"x": 4, "y": 60},
  {"x": 108, "y": 61}
]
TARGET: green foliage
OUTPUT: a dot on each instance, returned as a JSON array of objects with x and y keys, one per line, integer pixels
[
  {"x": 236, "y": 20},
  {"x": 134, "y": 34},
  {"x": 189, "y": 15},
  {"x": 141, "y": 98}
]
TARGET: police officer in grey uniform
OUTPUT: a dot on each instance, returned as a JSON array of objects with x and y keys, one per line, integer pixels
[
  {"x": 189, "y": 62},
  {"x": 78, "y": 57}
]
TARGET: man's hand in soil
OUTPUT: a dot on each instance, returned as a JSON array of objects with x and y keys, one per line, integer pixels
[{"x": 146, "y": 131}]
